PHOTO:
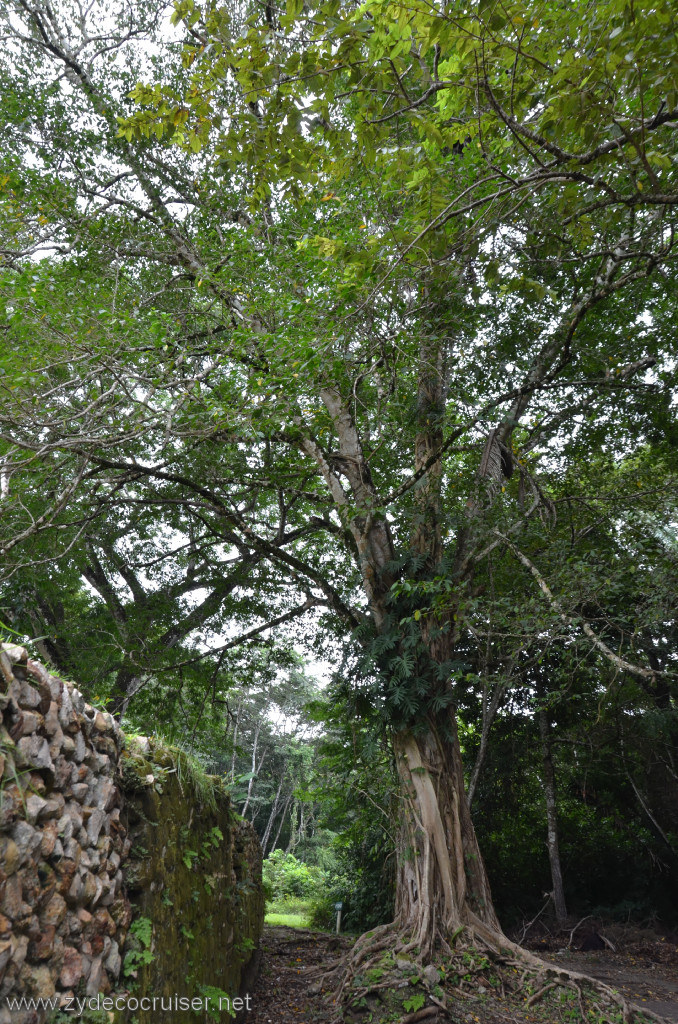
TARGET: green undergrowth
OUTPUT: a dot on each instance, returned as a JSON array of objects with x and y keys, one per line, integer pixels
[{"x": 88, "y": 1016}]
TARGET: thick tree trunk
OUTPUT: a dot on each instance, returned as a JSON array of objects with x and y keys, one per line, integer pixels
[
  {"x": 441, "y": 886},
  {"x": 549, "y": 787},
  {"x": 441, "y": 883}
]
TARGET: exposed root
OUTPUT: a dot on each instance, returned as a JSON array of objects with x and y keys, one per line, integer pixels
[
  {"x": 438, "y": 1002},
  {"x": 324, "y": 969},
  {"x": 473, "y": 961},
  {"x": 414, "y": 1018},
  {"x": 541, "y": 993},
  {"x": 364, "y": 954},
  {"x": 568, "y": 978}
]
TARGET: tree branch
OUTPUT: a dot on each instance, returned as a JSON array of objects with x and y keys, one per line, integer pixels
[{"x": 621, "y": 663}]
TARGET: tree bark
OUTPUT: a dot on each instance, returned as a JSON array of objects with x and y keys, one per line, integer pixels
[
  {"x": 441, "y": 882},
  {"x": 294, "y": 835},
  {"x": 441, "y": 885},
  {"x": 490, "y": 709}
]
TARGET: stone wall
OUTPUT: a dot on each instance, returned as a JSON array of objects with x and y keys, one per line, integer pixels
[
  {"x": 195, "y": 873},
  {"x": 97, "y": 833},
  {"x": 63, "y": 911}
]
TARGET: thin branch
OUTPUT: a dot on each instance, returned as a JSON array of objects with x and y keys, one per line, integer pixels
[
  {"x": 44, "y": 521},
  {"x": 310, "y": 602},
  {"x": 621, "y": 663}
]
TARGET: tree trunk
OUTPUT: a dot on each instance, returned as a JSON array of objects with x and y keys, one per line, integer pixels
[
  {"x": 441, "y": 884},
  {"x": 549, "y": 786},
  {"x": 250, "y": 784},
  {"x": 281, "y": 823},
  {"x": 441, "y": 881},
  {"x": 271, "y": 818},
  {"x": 127, "y": 682},
  {"x": 490, "y": 709},
  {"x": 235, "y": 743}
]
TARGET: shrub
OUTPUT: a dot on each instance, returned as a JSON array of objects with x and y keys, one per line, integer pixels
[
  {"x": 285, "y": 876},
  {"x": 366, "y": 893}
]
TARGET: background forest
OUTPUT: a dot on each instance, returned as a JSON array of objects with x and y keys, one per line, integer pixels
[{"x": 337, "y": 364}]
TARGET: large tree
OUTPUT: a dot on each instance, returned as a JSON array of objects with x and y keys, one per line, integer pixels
[{"x": 368, "y": 298}]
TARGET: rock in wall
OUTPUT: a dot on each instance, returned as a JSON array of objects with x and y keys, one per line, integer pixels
[{"x": 88, "y": 821}]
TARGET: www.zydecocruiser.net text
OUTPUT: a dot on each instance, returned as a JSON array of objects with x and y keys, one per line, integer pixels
[{"x": 158, "y": 1004}]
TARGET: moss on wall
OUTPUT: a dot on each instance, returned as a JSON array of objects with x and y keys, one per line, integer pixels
[{"x": 194, "y": 878}]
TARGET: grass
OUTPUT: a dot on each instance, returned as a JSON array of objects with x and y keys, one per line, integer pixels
[
  {"x": 290, "y": 920},
  {"x": 165, "y": 756},
  {"x": 294, "y": 913}
]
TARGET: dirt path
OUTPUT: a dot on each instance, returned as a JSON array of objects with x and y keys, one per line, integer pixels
[
  {"x": 283, "y": 995},
  {"x": 642, "y": 980}
]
